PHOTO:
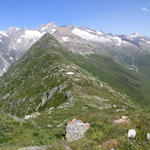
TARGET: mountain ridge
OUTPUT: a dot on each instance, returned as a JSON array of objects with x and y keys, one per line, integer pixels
[{"x": 49, "y": 86}]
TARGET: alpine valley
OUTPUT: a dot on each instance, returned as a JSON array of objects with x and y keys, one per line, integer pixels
[{"x": 54, "y": 76}]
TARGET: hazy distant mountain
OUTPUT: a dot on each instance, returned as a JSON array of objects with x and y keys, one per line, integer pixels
[{"x": 125, "y": 49}]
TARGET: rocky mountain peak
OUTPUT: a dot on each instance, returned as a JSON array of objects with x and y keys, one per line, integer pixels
[
  {"x": 136, "y": 35},
  {"x": 53, "y": 24},
  {"x": 50, "y": 27}
]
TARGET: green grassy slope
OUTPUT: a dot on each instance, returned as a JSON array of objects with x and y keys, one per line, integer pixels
[
  {"x": 143, "y": 63},
  {"x": 127, "y": 81}
]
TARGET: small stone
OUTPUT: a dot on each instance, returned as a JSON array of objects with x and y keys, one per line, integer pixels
[
  {"x": 49, "y": 125},
  {"x": 122, "y": 120},
  {"x": 70, "y": 73},
  {"x": 131, "y": 133}
]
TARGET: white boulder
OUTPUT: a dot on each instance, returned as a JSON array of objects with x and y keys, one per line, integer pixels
[
  {"x": 33, "y": 115},
  {"x": 27, "y": 117},
  {"x": 131, "y": 133},
  {"x": 148, "y": 136}
]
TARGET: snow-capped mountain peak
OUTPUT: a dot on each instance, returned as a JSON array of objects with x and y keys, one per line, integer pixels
[
  {"x": 3, "y": 33},
  {"x": 50, "y": 27},
  {"x": 31, "y": 34},
  {"x": 86, "y": 34},
  {"x": 14, "y": 42},
  {"x": 135, "y": 35}
]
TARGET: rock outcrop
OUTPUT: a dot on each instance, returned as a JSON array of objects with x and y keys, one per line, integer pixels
[{"x": 75, "y": 130}]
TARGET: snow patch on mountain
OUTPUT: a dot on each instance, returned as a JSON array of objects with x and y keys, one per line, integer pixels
[
  {"x": 99, "y": 33},
  {"x": 89, "y": 35},
  {"x": 3, "y": 33},
  {"x": 117, "y": 40},
  {"x": 135, "y": 35},
  {"x": 44, "y": 28},
  {"x": 65, "y": 38},
  {"x": 53, "y": 30},
  {"x": 86, "y": 35},
  {"x": 30, "y": 34},
  {"x": 19, "y": 40},
  {"x": 147, "y": 42}
]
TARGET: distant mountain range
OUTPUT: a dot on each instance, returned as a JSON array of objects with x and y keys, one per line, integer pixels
[{"x": 124, "y": 49}]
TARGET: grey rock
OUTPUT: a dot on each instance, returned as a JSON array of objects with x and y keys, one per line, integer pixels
[
  {"x": 6, "y": 96},
  {"x": 75, "y": 130},
  {"x": 68, "y": 94},
  {"x": 34, "y": 148},
  {"x": 48, "y": 95}
]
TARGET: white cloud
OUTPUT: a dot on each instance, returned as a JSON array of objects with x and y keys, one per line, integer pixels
[{"x": 145, "y": 9}]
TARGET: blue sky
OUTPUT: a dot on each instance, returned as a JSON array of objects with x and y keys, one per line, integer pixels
[{"x": 116, "y": 16}]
